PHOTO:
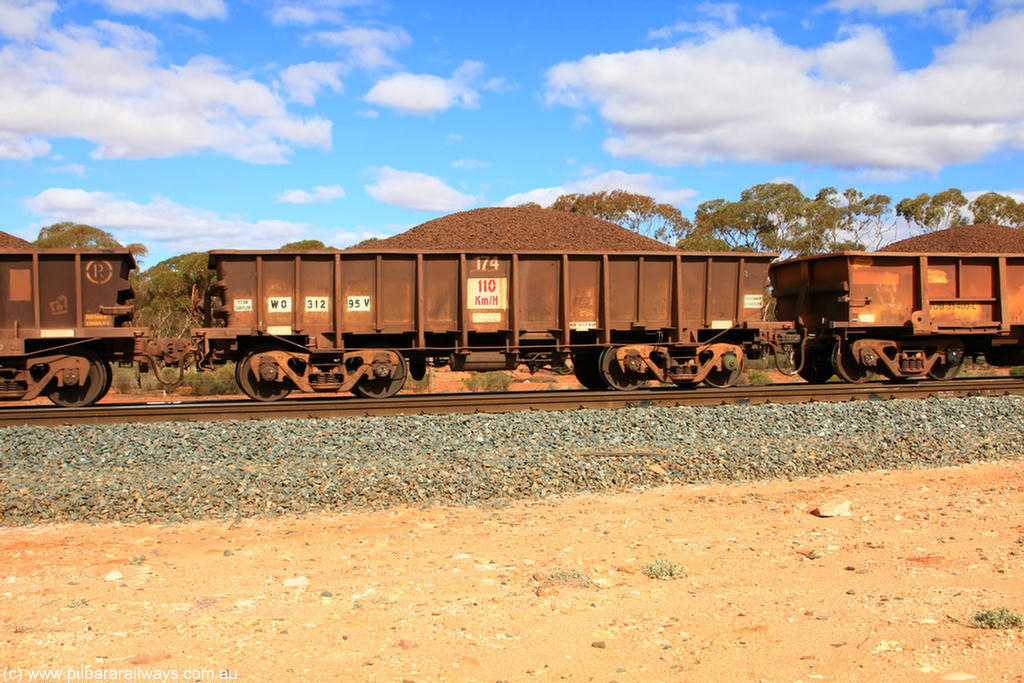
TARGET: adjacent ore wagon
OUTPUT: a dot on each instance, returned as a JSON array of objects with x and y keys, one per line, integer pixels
[
  {"x": 65, "y": 318},
  {"x": 903, "y": 315},
  {"x": 364, "y": 321}
]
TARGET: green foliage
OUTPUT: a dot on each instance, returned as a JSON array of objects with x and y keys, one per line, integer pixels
[
  {"x": 999, "y": 209},
  {"x": 779, "y": 217},
  {"x": 1001, "y": 618},
  {"x": 365, "y": 244},
  {"x": 934, "y": 212},
  {"x": 637, "y": 212},
  {"x": 663, "y": 569},
  {"x": 1017, "y": 371},
  {"x": 488, "y": 381},
  {"x": 217, "y": 382},
  {"x": 758, "y": 377},
  {"x": 68, "y": 235},
  {"x": 164, "y": 294},
  {"x": 306, "y": 244}
]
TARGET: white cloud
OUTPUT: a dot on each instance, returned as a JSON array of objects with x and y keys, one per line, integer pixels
[
  {"x": 744, "y": 95},
  {"x": 412, "y": 190},
  {"x": 369, "y": 48},
  {"x": 420, "y": 94},
  {"x": 470, "y": 163},
  {"x": 104, "y": 83},
  {"x": 15, "y": 147},
  {"x": 24, "y": 19},
  {"x": 309, "y": 12},
  {"x": 197, "y": 9},
  {"x": 163, "y": 222},
  {"x": 304, "y": 81},
  {"x": 76, "y": 169},
  {"x": 885, "y": 7},
  {"x": 637, "y": 183},
  {"x": 321, "y": 194}
]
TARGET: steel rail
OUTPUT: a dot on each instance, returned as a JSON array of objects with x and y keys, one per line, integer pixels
[{"x": 422, "y": 404}]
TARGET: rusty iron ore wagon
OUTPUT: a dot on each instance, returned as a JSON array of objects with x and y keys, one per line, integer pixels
[
  {"x": 903, "y": 315},
  {"x": 326, "y": 321},
  {"x": 65, "y": 317}
]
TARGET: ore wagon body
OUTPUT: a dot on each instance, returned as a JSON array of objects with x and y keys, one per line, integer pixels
[
  {"x": 362, "y": 321},
  {"x": 902, "y": 315},
  {"x": 64, "y": 318}
]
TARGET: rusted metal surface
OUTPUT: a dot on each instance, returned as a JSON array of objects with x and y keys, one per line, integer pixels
[
  {"x": 204, "y": 411},
  {"x": 487, "y": 310},
  {"x": 930, "y": 293},
  {"x": 65, "y": 317},
  {"x": 904, "y": 315},
  {"x": 54, "y": 294}
]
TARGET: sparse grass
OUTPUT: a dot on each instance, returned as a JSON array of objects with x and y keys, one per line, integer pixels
[
  {"x": 488, "y": 381},
  {"x": 758, "y": 377},
  {"x": 664, "y": 569},
  {"x": 210, "y": 383},
  {"x": 563, "y": 577},
  {"x": 997, "y": 619},
  {"x": 1017, "y": 371}
]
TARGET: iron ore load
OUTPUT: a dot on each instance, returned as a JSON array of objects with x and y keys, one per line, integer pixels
[
  {"x": 364, "y": 321},
  {"x": 65, "y": 318}
]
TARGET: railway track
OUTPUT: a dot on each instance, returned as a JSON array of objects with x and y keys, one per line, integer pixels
[{"x": 204, "y": 411}]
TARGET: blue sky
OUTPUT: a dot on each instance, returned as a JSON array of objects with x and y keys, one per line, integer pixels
[{"x": 198, "y": 124}]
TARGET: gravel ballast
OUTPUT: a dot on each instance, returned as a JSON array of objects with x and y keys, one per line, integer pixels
[{"x": 180, "y": 471}]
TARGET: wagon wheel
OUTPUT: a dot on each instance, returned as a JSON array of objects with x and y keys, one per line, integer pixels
[
  {"x": 942, "y": 371},
  {"x": 615, "y": 376},
  {"x": 725, "y": 378},
  {"x": 817, "y": 369},
  {"x": 89, "y": 389},
  {"x": 846, "y": 366},
  {"x": 254, "y": 386},
  {"x": 588, "y": 373},
  {"x": 382, "y": 387}
]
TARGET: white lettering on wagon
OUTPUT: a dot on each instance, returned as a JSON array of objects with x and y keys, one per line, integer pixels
[
  {"x": 243, "y": 305},
  {"x": 486, "y": 292},
  {"x": 279, "y": 304},
  {"x": 357, "y": 303},
  {"x": 753, "y": 301}
]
